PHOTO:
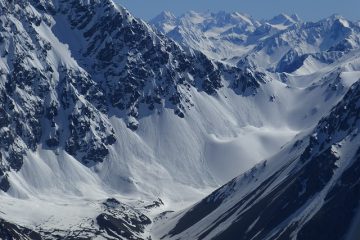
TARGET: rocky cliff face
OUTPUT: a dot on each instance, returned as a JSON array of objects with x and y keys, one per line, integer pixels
[
  {"x": 100, "y": 116},
  {"x": 60, "y": 91}
]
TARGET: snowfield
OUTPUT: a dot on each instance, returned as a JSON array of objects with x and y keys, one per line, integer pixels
[{"x": 111, "y": 130}]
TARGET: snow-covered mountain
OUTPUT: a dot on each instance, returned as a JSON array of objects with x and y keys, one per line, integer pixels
[
  {"x": 221, "y": 36},
  {"x": 304, "y": 190},
  {"x": 95, "y": 105},
  {"x": 281, "y": 44},
  {"x": 309, "y": 190},
  {"x": 307, "y": 47},
  {"x": 72, "y": 70},
  {"x": 107, "y": 125}
]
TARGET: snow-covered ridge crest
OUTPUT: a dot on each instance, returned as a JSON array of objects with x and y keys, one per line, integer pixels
[
  {"x": 74, "y": 66},
  {"x": 299, "y": 192},
  {"x": 100, "y": 116},
  {"x": 282, "y": 44},
  {"x": 220, "y": 35}
]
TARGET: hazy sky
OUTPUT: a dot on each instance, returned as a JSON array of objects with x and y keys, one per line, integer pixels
[{"x": 260, "y": 9}]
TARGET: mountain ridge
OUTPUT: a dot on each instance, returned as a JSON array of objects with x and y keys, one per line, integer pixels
[
  {"x": 316, "y": 176},
  {"x": 107, "y": 125},
  {"x": 231, "y": 41}
]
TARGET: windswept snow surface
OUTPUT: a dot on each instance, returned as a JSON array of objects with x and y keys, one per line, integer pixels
[
  {"x": 299, "y": 193},
  {"x": 176, "y": 152}
]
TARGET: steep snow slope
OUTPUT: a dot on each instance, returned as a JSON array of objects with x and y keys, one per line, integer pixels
[
  {"x": 309, "y": 190},
  {"x": 94, "y": 104},
  {"x": 101, "y": 116}
]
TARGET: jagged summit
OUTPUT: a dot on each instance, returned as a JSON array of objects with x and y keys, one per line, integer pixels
[
  {"x": 165, "y": 15},
  {"x": 165, "y": 21},
  {"x": 75, "y": 64},
  {"x": 107, "y": 125},
  {"x": 284, "y": 19},
  {"x": 231, "y": 37},
  {"x": 221, "y": 35}
]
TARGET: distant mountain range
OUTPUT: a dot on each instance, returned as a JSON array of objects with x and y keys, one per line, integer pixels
[
  {"x": 281, "y": 44},
  {"x": 115, "y": 128}
]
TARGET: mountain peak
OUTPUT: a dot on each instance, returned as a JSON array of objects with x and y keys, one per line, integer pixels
[
  {"x": 296, "y": 17},
  {"x": 195, "y": 17},
  {"x": 165, "y": 16},
  {"x": 95, "y": 105},
  {"x": 336, "y": 16},
  {"x": 284, "y": 19},
  {"x": 164, "y": 22},
  {"x": 339, "y": 20}
]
